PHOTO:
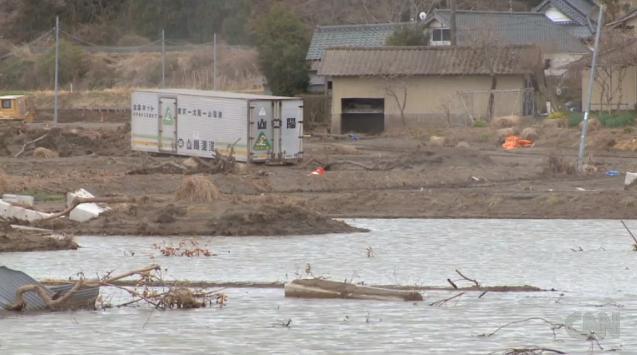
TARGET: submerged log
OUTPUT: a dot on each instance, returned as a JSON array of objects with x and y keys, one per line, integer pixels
[{"x": 319, "y": 288}]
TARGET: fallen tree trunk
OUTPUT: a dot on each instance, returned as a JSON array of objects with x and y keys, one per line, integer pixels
[{"x": 319, "y": 288}]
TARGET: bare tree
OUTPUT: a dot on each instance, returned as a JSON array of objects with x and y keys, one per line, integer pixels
[
  {"x": 396, "y": 88},
  {"x": 619, "y": 53}
]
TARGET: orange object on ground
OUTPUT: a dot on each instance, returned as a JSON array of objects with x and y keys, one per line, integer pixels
[
  {"x": 318, "y": 171},
  {"x": 515, "y": 142}
]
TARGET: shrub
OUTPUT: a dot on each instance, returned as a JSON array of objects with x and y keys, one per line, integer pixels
[
  {"x": 73, "y": 64},
  {"x": 612, "y": 120},
  {"x": 408, "y": 35},
  {"x": 480, "y": 124},
  {"x": 618, "y": 119},
  {"x": 558, "y": 115},
  {"x": 574, "y": 118}
]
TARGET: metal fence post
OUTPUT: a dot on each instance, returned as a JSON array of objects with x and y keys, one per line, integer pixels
[
  {"x": 57, "y": 64},
  {"x": 591, "y": 82},
  {"x": 163, "y": 58},
  {"x": 214, "y": 61}
]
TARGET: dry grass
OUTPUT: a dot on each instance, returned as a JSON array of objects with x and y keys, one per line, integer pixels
[
  {"x": 559, "y": 166},
  {"x": 44, "y": 153},
  {"x": 197, "y": 188},
  {"x": 627, "y": 145}
]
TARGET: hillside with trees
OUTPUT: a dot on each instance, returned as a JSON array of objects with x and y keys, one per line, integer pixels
[
  {"x": 107, "y": 21},
  {"x": 257, "y": 39}
]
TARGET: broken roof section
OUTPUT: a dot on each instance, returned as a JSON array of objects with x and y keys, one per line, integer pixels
[
  {"x": 368, "y": 35},
  {"x": 513, "y": 28},
  {"x": 12, "y": 280},
  {"x": 403, "y": 61}
]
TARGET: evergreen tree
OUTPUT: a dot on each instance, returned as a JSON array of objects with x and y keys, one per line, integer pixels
[
  {"x": 282, "y": 44},
  {"x": 408, "y": 35}
]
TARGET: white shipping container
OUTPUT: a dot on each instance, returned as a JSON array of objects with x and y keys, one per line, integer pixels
[{"x": 260, "y": 128}]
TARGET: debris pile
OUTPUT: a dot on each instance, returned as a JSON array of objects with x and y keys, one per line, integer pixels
[
  {"x": 48, "y": 143},
  {"x": 220, "y": 164},
  {"x": 188, "y": 248}
]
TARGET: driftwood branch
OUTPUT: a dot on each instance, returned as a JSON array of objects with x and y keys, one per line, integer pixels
[
  {"x": 629, "y": 232},
  {"x": 443, "y": 301},
  {"x": 554, "y": 326},
  {"x": 468, "y": 279},
  {"x": 24, "y": 147},
  {"x": 533, "y": 350},
  {"x": 79, "y": 201},
  {"x": 329, "y": 165},
  {"x": 51, "y": 303}
]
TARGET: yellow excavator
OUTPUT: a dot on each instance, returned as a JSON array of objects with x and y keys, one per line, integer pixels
[{"x": 16, "y": 108}]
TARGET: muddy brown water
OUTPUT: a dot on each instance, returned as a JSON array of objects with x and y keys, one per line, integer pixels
[{"x": 590, "y": 262}]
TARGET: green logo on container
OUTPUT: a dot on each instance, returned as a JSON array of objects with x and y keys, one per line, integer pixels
[
  {"x": 262, "y": 143},
  {"x": 168, "y": 119}
]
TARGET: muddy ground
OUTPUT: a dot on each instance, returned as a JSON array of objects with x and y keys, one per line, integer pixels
[
  {"x": 12, "y": 240},
  {"x": 389, "y": 176}
]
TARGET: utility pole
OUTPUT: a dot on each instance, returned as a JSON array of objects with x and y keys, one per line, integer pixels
[
  {"x": 163, "y": 57},
  {"x": 57, "y": 65},
  {"x": 454, "y": 30},
  {"x": 591, "y": 82},
  {"x": 214, "y": 61}
]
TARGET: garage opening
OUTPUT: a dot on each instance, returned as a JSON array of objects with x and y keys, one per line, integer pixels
[{"x": 362, "y": 115}]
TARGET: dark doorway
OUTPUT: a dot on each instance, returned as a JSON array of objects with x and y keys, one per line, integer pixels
[{"x": 362, "y": 115}]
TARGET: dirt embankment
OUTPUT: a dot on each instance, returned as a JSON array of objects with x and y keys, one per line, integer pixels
[
  {"x": 12, "y": 240},
  {"x": 245, "y": 217}
]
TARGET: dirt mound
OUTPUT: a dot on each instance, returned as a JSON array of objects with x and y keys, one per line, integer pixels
[
  {"x": 530, "y": 133},
  {"x": 506, "y": 122},
  {"x": 66, "y": 141},
  {"x": 260, "y": 216},
  {"x": 285, "y": 219},
  {"x": 197, "y": 188},
  {"x": 12, "y": 240}
]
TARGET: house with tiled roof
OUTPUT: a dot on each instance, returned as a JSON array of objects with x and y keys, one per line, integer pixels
[
  {"x": 558, "y": 45},
  {"x": 578, "y": 17},
  {"x": 357, "y": 36},
  {"x": 385, "y": 88}
]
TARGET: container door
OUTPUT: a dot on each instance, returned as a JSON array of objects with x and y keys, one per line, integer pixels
[
  {"x": 292, "y": 130},
  {"x": 261, "y": 147},
  {"x": 168, "y": 125},
  {"x": 277, "y": 131}
]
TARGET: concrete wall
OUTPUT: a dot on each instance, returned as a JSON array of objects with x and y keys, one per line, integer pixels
[
  {"x": 429, "y": 98},
  {"x": 624, "y": 90}
]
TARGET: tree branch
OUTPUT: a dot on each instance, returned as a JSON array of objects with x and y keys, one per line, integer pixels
[
  {"x": 78, "y": 201},
  {"x": 468, "y": 279}
]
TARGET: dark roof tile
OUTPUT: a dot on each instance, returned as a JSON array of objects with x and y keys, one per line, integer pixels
[{"x": 399, "y": 61}]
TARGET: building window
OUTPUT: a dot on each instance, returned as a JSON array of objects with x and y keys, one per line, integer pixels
[
  {"x": 329, "y": 85},
  {"x": 441, "y": 36},
  {"x": 6, "y": 103}
]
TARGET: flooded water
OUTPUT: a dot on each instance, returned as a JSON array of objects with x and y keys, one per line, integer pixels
[{"x": 591, "y": 263}]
